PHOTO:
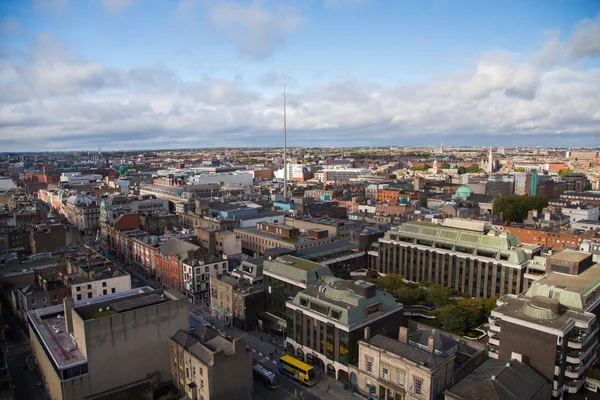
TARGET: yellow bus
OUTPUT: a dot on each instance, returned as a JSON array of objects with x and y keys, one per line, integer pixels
[{"x": 298, "y": 370}]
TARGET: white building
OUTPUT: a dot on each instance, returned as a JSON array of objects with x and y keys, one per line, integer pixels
[
  {"x": 196, "y": 276},
  {"x": 226, "y": 178},
  {"x": 75, "y": 178},
  {"x": 294, "y": 172},
  {"x": 581, "y": 212},
  {"x": 150, "y": 204},
  {"x": 89, "y": 289},
  {"x": 336, "y": 174}
]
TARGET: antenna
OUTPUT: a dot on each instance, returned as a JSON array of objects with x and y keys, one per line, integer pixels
[{"x": 285, "y": 172}]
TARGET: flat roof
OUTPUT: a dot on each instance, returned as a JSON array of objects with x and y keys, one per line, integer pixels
[
  {"x": 570, "y": 256},
  {"x": 49, "y": 325},
  {"x": 573, "y": 283}
]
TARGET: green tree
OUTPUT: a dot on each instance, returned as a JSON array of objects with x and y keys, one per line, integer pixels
[
  {"x": 445, "y": 166},
  {"x": 409, "y": 295},
  {"x": 473, "y": 168},
  {"x": 390, "y": 282},
  {"x": 461, "y": 315},
  {"x": 562, "y": 172},
  {"x": 489, "y": 305},
  {"x": 462, "y": 170},
  {"x": 514, "y": 208},
  {"x": 439, "y": 295}
]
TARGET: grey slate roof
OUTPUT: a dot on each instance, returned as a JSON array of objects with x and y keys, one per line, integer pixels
[
  {"x": 177, "y": 246},
  {"x": 414, "y": 354},
  {"x": 500, "y": 380},
  {"x": 202, "y": 342}
]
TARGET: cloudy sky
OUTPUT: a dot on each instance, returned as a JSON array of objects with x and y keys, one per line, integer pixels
[{"x": 133, "y": 74}]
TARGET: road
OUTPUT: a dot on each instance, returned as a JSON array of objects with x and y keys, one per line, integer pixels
[{"x": 17, "y": 350}]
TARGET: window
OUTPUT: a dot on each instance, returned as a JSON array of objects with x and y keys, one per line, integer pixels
[
  {"x": 78, "y": 288},
  {"x": 369, "y": 365},
  {"x": 113, "y": 290},
  {"x": 89, "y": 295},
  {"x": 201, "y": 384},
  {"x": 103, "y": 284},
  {"x": 194, "y": 370},
  {"x": 33, "y": 302},
  {"x": 384, "y": 372},
  {"x": 187, "y": 372},
  {"x": 78, "y": 297},
  {"x": 89, "y": 287},
  {"x": 401, "y": 376},
  {"x": 201, "y": 371},
  {"x": 418, "y": 385},
  {"x": 55, "y": 297},
  {"x": 104, "y": 292}
]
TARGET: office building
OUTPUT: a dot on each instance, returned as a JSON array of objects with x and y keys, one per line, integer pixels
[
  {"x": 206, "y": 365},
  {"x": 461, "y": 254},
  {"x": 576, "y": 182},
  {"x": 553, "y": 325},
  {"x": 107, "y": 345},
  {"x": 578, "y": 213},
  {"x": 326, "y": 321},
  {"x": 237, "y": 301},
  {"x": 82, "y": 211}
]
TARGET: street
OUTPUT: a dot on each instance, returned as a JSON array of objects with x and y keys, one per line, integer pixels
[{"x": 25, "y": 379}]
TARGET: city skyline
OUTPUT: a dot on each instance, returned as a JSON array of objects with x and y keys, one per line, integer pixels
[{"x": 133, "y": 74}]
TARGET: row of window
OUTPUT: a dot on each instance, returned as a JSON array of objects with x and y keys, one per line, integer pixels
[{"x": 385, "y": 375}]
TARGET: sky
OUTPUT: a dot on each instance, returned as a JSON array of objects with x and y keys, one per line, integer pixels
[{"x": 166, "y": 74}]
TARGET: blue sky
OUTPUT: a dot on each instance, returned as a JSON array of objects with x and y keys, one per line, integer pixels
[{"x": 187, "y": 73}]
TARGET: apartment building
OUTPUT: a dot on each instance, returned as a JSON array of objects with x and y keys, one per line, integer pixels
[
  {"x": 206, "y": 365},
  {"x": 555, "y": 240},
  {"x": 462, "y": 254},
  {"x": 103, "y": 346},
  {"x": 326, "y": 321},
  {"x": 553, "y": 326},
  {"x": 334, "y": 226}
]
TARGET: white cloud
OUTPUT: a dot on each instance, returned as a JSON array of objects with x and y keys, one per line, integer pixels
[
  {"x": 255, "y": 27},
  {"x": 52, "y": 97}
]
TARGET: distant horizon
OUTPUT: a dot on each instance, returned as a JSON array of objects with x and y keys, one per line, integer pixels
[{"x": 155, "y": 74}]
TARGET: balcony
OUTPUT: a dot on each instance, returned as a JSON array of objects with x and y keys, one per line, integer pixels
[
  {"x": 574, "y": 385},
  {"x": 494, "y": 351},
  {"x": 494, "y": 341},
  {"x": 578, "y": 370},
  {"x": 580, "y": 337}
]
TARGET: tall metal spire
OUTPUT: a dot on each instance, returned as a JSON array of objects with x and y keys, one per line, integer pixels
[{"x": 285, "y": 171}]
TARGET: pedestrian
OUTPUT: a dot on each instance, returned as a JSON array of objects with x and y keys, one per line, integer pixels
[{"x": 261, "y": 338}]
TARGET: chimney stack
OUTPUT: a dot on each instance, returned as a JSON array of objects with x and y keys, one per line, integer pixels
[
  {"x": 403, "y": 335},
  {"x": 431, "y": 344},
  {"x": 367, "y": 333},
  {"x": 69, "y": 303}
]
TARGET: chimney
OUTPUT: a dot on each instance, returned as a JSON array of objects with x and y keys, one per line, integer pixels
[
  {"x": 403, "y": 335},
  {"x": 516, "y": 356},
  {"x": 431, "y": 343},
  {"x": 367, "y": 333},
  {"x": 69, "y": 303}
]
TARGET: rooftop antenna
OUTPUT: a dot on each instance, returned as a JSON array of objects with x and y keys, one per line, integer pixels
[{"x": 285, "y": 172}]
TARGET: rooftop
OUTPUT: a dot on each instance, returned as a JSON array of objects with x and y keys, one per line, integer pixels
[
  {"x": 203, "y": 342},
  {"x": 500, "y": 379},
  {"x": 296, "y": 269},
  {"x": 423, "y": 357},
  {"x": 570, "y": 256},
  {"x": 346, "y": 302},
  {"x": 274, "y": 236}
]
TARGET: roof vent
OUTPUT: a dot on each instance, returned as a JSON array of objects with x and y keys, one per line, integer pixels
[
  {"x": 493, "y": 377},
  {"x": 508, "y": 364}
]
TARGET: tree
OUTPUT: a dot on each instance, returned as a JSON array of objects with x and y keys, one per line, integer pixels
[
  {"x": 390, "y": 282},
  {"x": 462, "y": 170},
  {"x": 445, "y": 165},
  {"x": 473, "y": 168},
  {"x": 520, "y": 169},
  {"x": 461, "y": 315},
  {"x": 439, "y": 295},
  {"x": 409, "y": 295},
  {"x": 489, "y": 305},
  {"x": 562, "y": 172},
  {"x": 515, "y": 208}
]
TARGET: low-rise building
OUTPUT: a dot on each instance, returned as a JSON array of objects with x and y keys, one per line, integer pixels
[
  {"x": 236, "y": 301},
  {"x": 206, "y": 365}
]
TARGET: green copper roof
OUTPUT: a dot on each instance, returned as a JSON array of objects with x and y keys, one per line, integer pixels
[
  {"x": 341, "y": 300},
  {"x": 296, "y": 269},
  {"x": 502, "y": 244}
]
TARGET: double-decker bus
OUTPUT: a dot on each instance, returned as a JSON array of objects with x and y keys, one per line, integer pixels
[
  {"x": 298, "y": 370},
  {"x": 264, "y": 376}
]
